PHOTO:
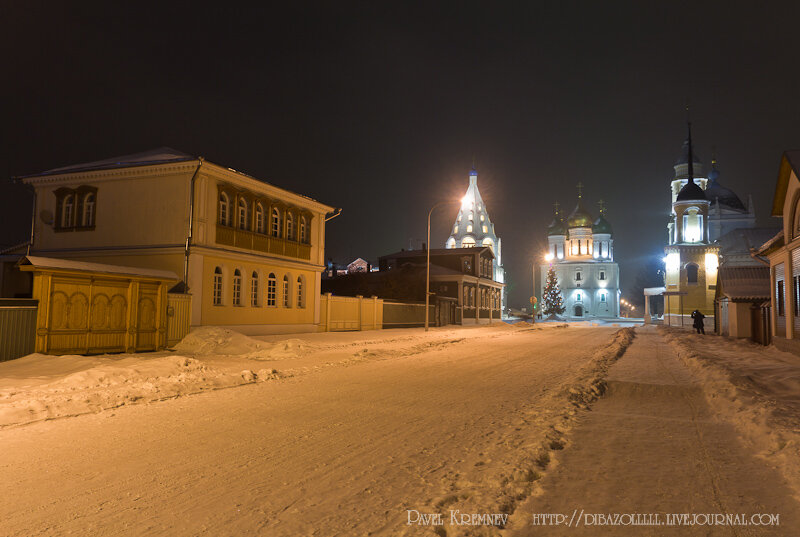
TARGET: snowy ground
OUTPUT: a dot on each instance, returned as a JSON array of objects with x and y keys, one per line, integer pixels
[{"x": 353, "y": 433}]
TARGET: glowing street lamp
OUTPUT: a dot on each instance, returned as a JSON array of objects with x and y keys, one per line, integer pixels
[{"x": 428, "y": 259}]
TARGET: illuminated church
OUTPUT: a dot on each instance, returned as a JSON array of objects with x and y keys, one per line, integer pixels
[
  {"x": 702, "y": 211},
  {"x": 474, "y": 228},
  {"x": 581, "y": 250}
]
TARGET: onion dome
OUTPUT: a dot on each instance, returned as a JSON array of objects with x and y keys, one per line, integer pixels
[
  {"x": 556, "y": 227},
  {"x": 691, "y": 191},
  {"x": 580, "y": 217},
  {"x": 601, "y": 225},
  {"x": 715, "y": 191}
]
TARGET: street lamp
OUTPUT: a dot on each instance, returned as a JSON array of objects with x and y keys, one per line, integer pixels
[{"x": 428, "y": 260}]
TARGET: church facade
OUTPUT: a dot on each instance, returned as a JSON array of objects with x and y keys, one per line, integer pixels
[
  {"x": 581, "y": 251},
  {"x": 473, "y": 227}
]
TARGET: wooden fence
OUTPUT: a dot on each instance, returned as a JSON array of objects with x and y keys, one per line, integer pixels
[
  {"x": 343, "y": 313},
  {"x": 179, "y": 316},
  {"x": 17, "y": 327}
]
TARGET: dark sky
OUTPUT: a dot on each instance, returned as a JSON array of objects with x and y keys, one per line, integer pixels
[{"x": 379, "y": 107}]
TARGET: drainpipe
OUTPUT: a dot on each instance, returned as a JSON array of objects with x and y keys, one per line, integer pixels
[
  {"x": 191, "y": 226},
  {"x": 33, "y": 223},
  {"x": 337, "y": 213}
]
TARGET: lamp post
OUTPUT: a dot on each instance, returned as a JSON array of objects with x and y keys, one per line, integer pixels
[{"x": 428, "y": 262}]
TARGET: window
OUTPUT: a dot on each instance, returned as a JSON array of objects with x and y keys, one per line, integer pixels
[
  {"x": 217, "y": 291},
  {"x": 286, "y": 298},
  {"x": 600, "y": 248},
  {"x": 602, "y": 275},
  {"x": 88, "y": 210},
  {"x": 466, "y": 297},
  {"x": 602, "y": 297},
  {"x": 469, "y": 228},
  {"x": 578, "y": 297},
  {"x": 276, "y": 223},
  {"x": 781, "y": 299},
  {"x": 242, "y": 214},
  {"x": 692, "y": 225},
  {"x": 466, "y": 263},
  {"x": 254, "y": 289},
  {"x": 691, "y": 273},
  {"x": 451, "y": 243},
  {"x": 301, "y": 302},
  {"x": 578, "y": 276},
  {"x": 467, "y": 242},
  {"x": 455, "y": 229},
  {"x": 271, "y": 290},
  {"x": 237, "y": 288},
  {"x": 303, "y": 230},
  {"x": 482, "y": 219},
  {"x": 290, "y": 226},
  {"x": 68, "y": 211},
  {"x": 260, "y": 218},
  {"x": 797, "y": 296},
  {"x": 471, "y": 216},
  {"x": 224, "y": 209},
  {"x": 471, "y": 297}
]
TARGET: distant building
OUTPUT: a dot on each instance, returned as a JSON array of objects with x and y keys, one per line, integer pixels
[
  {"x": 581, "y": 251},
  {"x": 783, "y": 252},
  {"x": 463, "y": 276},
  {"x": 473, "y": 227},
  {"x": 249, "y": 253},
  {"x": 359, "y": 265}
]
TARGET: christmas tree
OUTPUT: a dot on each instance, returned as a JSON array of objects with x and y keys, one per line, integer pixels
[{"x": 552, "y": 299}]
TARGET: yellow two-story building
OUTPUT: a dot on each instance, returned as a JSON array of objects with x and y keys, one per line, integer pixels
[{"x": 249, "y": 253}]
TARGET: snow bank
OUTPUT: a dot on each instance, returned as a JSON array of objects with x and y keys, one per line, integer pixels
[
  {"x": 214, "y": 340},
  {"x": 112, "y": 383},
  {"x": 754, "y": 387}
]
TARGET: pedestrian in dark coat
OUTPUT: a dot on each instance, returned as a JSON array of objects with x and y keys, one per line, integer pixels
[{"x": 698, "y": 322}]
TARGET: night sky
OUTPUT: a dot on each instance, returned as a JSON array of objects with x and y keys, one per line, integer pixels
[{"x": 379, "y": 107}]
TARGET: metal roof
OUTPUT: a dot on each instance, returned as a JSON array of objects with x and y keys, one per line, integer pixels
[{"x": 744, "y": 283}]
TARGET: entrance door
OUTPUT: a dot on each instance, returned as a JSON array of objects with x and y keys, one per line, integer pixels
[{"x": 578, "y": 311}]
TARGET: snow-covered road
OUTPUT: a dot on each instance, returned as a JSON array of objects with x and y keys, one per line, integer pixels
[{"x": 345, "y": 449}]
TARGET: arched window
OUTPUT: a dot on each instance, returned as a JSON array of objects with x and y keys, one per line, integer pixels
[
  {"x": 237, "y": 288},
  {"x": 88, "y": 210},
  {"x": 290, "y": 226},
  {"x": 451, "y": 243},
  {"x": 301, "y": 300},
  {"x": 691, "y": 273},
  {"x": 488, "y": 242},
  {"x": 469, "y": 227},
  {"x": 242, "y": 214},
  {"x": 276, "y": 223},
  {"x": 303, "y": 230},
  {"x": 692, "y": 225},
  {"x": 485, "y": 229},
  {"x": 217, "y": 291},
  {"x": 287, "y": 299},
  {"x": 483, "y": 218},
  {"x": 272, "y": 284},
  {"x": 224, "y": 209},
  {"x": 455, "y": 229},
  {"x": 467, "y": 242},
  {"x": 68, "y": 211},
  {"x": 254, "y": 289},
  {"x": 471, "y": 216},
  {"x": 260, "y": 218}
]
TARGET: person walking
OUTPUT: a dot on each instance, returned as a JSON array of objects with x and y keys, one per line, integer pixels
[{"x": 698, "y": 322}]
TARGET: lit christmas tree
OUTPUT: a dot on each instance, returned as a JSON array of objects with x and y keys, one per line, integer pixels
[{"x": 552, "y": 299}]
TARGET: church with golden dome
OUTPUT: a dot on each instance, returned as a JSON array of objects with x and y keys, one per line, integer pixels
[{"x": 581, "y": 251}]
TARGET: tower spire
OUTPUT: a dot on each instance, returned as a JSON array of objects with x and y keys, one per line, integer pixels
[
  {"x": 691, "y": 157},
  {"x": 602, "y": 205},
  {"x": 580, "y": 189}
]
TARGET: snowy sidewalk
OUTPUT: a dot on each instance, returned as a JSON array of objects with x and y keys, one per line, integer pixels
[{"x": 651, "y": 445}]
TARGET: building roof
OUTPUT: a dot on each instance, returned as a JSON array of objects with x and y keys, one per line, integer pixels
[
  {"x": 744, "y": 283},
  {"x": 739, "y": 241},
  {"x": 790, "y": 162},
  {"x": 82, "y": 266},
  {"x": 438, "y": 251},
  {"x": 691, "y": 191},
  {"x": 771, "y": 245},
  {"x": 715, "y": 191},
  {"x": 161, "y": 155}
]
